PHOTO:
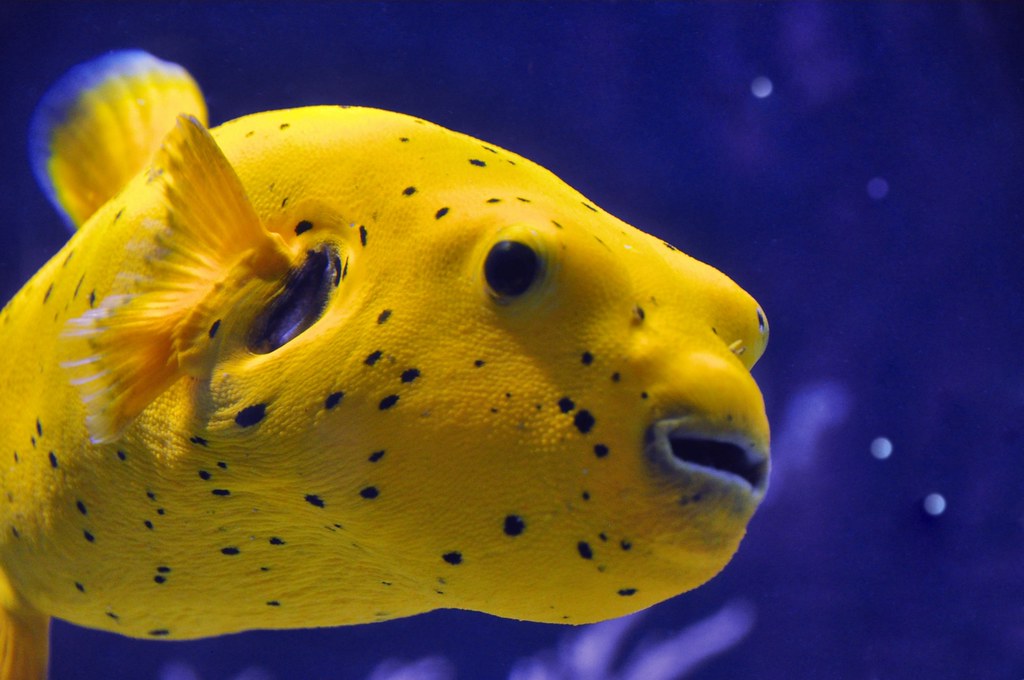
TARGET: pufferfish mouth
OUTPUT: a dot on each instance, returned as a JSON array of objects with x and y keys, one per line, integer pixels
[{"x": 728, "y": 459}]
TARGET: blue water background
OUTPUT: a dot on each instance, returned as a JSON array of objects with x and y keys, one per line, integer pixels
[{"x": 872, "y": 203}]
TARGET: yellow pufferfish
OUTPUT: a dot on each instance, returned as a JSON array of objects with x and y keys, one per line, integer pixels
[{"x": 336, "y": 365}]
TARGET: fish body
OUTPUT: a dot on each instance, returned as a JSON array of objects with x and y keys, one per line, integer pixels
[{"x": 335, "y": 365}]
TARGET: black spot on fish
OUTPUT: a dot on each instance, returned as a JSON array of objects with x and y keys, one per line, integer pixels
[
  {"x": 221, "y": 492},
  {"x": 198, "y": 440},
  {"x": 585, "y": 495},
  {"x": 440, "y": 213},
  {"x": 643, "y": 395},
  {"x": 80, "y": 587},
  {"x": 626, "y": 592},
  {"x": 332, "y": 399},
  {"x": 479, "y": 362},
  {"x": 453, "y": 557},
  {"x": 81, "y": 507},
  {"x": 77, "y": 286},
  {"x": 92, "y": 298},
  {"x": 566, "y": 404},
  {"x": 625, "y": 545},
  {"x": 276, "y": 541},
  {"x": 557, "y": 225},
  {"x": 284, "y": 201},
  {"x": 584, "y": 421},
  {"x": 523, "y": 200},
  {"x": 284, "y": 126},
  {"x": 384, "y": 316},
  {"x": 376, "y": 455},
  {"x": 478, "y": 163},
  {"x": 159, "y": 579},
  {"x": 369, "y": 492},
  {"x": 587, "y": 358},
  {"x": 616, "y": 376},
  {"x": 149, "y": 525},
  {"x": 230, "y": 550},
  {"x": 313, "y": 499},
  {"x": 588, "y": 206},
  {"x": 250, "y": 415},
  {"x": 409, "y": 191},
  {"x": 514, "y": 525},
  {"x": 150, "y": 495},
  {"x": 88, "y": 536},
  {"x": 494, "y": 200},
  {"x": 585, "y": 550},
  {"x": 639, "y": 312},
  {"x": 410, "y": 375},
  {"x": 53, "y": 460},
  {"x": 373, "y": 358},
  {"x": 600, "y": 450},
  {"x": 159, "y": 632},
  {"x": 214, "y": 328},
  {"x": 303, "y": 226},
  {"x": 47, "y": 295},
  {"x": 163, "y": 569},
  {"x": 388, "y": 401},
  {"x": 273, "y": 603},
  {"x": 362, "y": 234},
  {"x": 222, "y": 465},
  {"x": 403, "y": 139},
  {"x": 39, "y": 427}
]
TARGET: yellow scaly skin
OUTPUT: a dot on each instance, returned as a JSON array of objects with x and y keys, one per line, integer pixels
[{"x": 492, "y": 492}]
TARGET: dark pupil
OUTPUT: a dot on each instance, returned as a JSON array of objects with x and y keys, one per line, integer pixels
[{"x": 510, "y": 268}]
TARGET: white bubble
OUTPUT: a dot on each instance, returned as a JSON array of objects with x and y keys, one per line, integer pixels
[
  {"x": 881, "y": 448},
  {"x": 934, "y": 504},
  {"x": 761, "y": 87},
  {"x": 878, "y": 188}
]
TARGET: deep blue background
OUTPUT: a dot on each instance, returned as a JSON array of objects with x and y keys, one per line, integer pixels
[{"x": 900, "y": 316}]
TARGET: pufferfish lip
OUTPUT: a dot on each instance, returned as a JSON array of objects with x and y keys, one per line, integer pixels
[{"x": 728, "y": 459}]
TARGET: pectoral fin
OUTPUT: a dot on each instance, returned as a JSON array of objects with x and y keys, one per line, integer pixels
[{"x": 136, "y": 344}]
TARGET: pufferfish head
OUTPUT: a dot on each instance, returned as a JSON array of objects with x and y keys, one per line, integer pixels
[{"x": 511, "y": 392}]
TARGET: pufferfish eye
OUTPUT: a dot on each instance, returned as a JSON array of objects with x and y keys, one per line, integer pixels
[{"x": 511, "y": 268}]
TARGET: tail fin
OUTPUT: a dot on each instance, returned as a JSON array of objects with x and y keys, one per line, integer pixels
[
  {"x": 24, "y": 637},
  {"x": 24, "y": 645}
]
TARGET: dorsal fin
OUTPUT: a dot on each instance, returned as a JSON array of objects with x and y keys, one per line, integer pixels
[
  {"x": 134, "y": 345},
  {"x": 100, "y": 124}
]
